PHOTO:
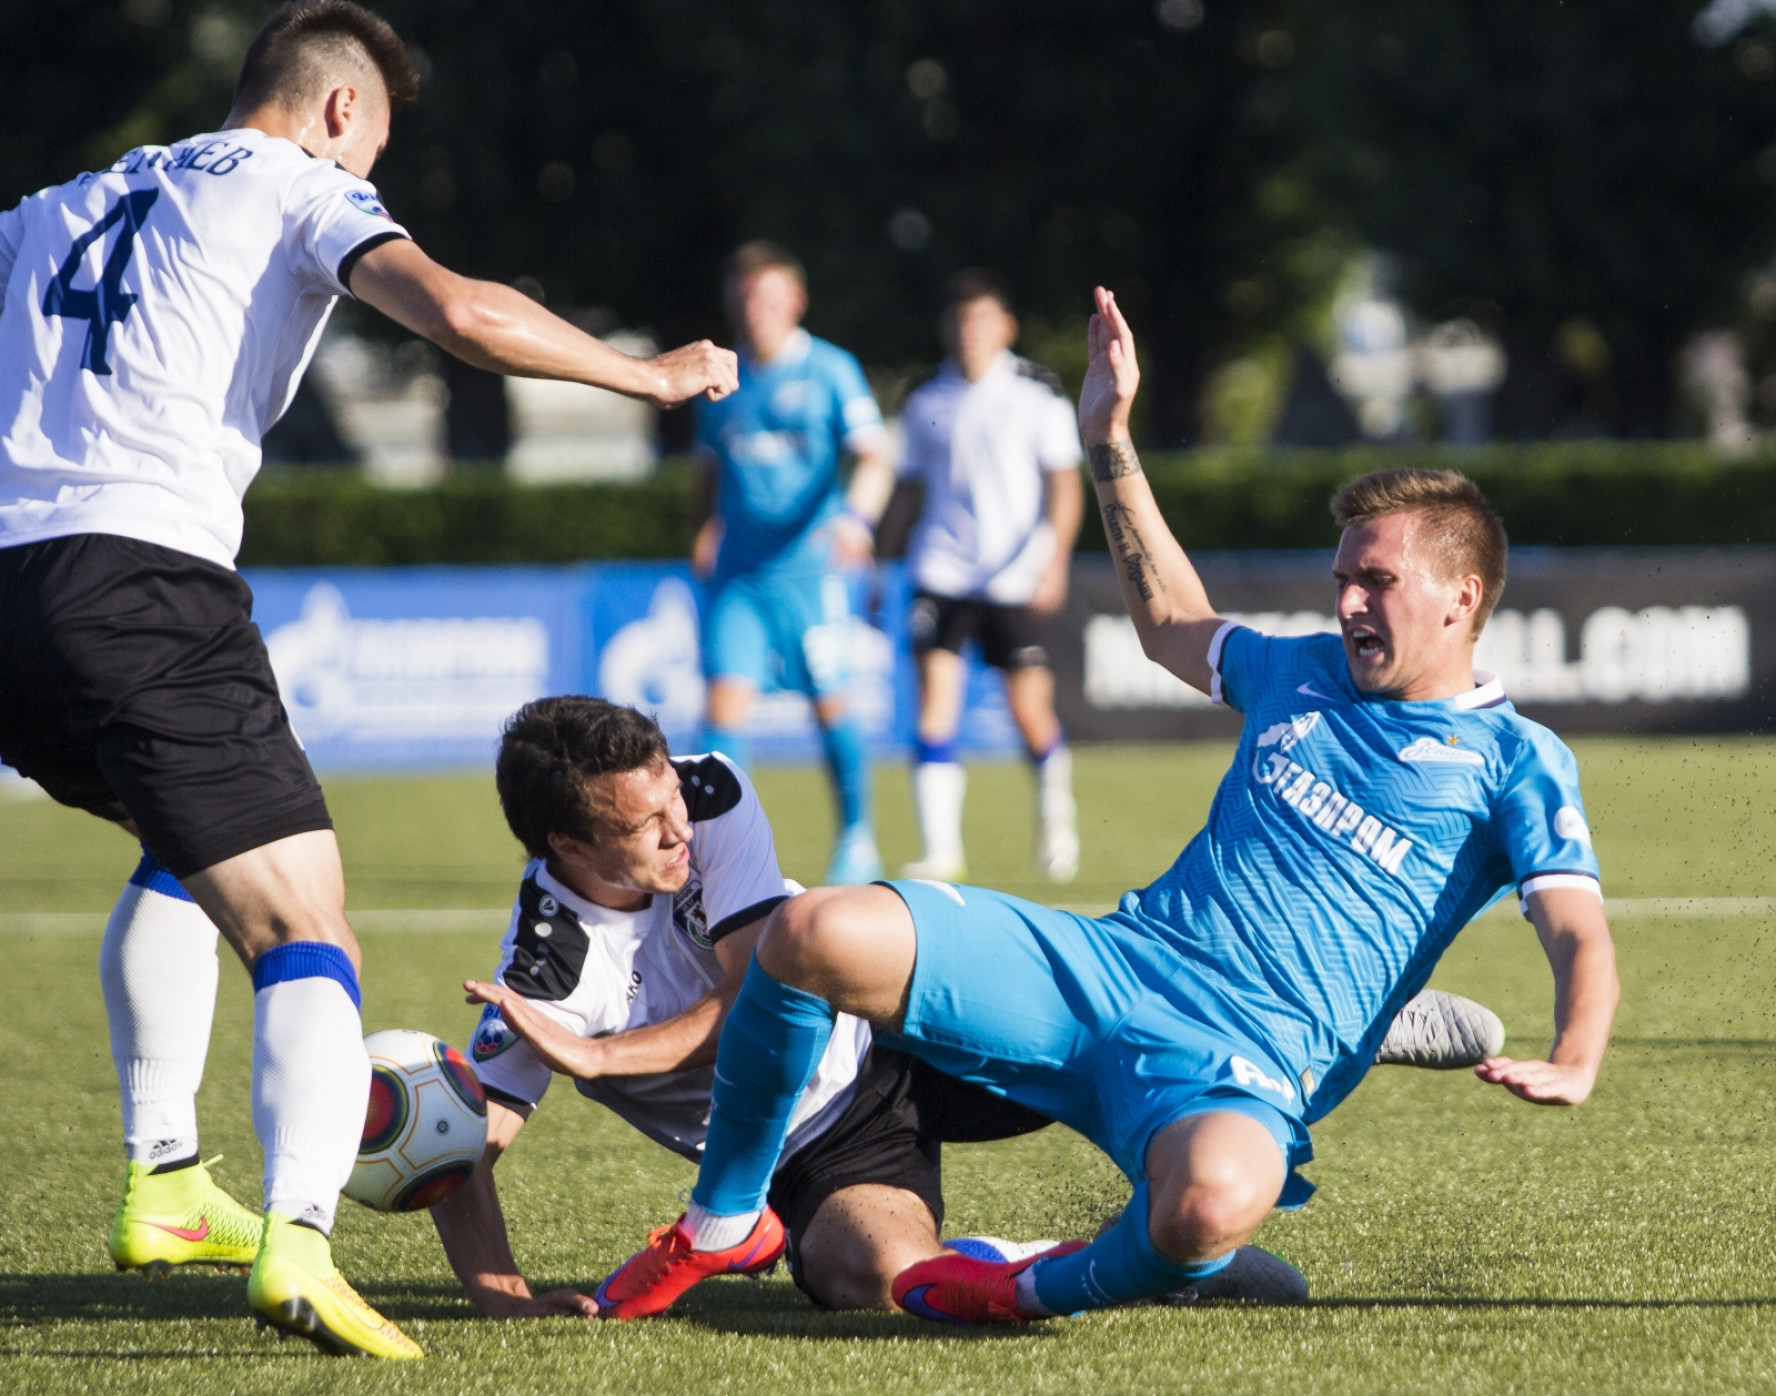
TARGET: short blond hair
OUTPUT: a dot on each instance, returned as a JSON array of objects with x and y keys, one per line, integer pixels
[{"x": 1456, "y": 522}]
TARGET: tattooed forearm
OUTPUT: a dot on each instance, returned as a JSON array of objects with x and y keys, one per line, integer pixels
[
  {"x": 1131, "y": 552},
  {"x": 1112, "y": 461}
]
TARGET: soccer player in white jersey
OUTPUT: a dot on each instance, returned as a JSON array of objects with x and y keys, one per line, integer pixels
[
  {"x": 994, "y": 443},
  {"x": 157, "y": 317},
  {"x": 1383, "y": 794},
  {"x": 649, "y": 881}
]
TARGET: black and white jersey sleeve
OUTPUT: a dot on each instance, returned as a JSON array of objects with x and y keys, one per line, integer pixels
[
  {"x": 543, "y": 957},
  {"x": 334, "y": 218},
  {"x": 732, "y": 851}
]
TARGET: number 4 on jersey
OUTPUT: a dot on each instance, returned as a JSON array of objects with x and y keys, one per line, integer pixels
[{"x": 107, "y": 303}]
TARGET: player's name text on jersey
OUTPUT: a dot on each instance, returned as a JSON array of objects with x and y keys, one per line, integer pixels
[
  {"x": 1318, "y": 802},
  {"x": 211, "y": 158}
]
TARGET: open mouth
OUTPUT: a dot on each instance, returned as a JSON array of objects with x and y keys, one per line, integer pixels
[{"x": 1366, "y": 643}]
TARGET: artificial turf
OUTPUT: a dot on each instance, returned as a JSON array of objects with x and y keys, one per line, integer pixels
[{"x": 1460, "y": 1240}]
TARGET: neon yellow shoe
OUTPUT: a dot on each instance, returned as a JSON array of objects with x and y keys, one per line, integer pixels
[
  {"x": 295, "y": 1287},
  {"x": 180, "y": 1218}
]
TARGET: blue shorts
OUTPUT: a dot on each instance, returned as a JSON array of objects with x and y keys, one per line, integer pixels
[
  {"x": 1046, "y": 1008},
  {"x": 779, "y": 631}
]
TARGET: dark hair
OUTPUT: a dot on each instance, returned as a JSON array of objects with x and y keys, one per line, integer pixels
[
  {"x": 297, "y": 49},
  {"x": 978, "y": 284},
  {"x": 551, "y": 747},
  {"x": 763, "y": 255},
  {"x": 1458, "y": 524}
]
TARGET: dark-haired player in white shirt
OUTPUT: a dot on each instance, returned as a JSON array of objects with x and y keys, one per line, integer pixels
[
  {"x": 156, "y": 318},
  {"x": 650, "y": 880}
]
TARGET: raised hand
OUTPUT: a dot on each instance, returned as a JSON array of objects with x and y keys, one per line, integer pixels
[
  {"x": 1539, "y": 1082},
  {"x": 1111, "y": 377},
  {"x": 558, "y": 1049},
  {"x": 681, "y": 374}
]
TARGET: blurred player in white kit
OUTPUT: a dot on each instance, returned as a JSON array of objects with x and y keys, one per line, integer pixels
[{"x": 994, "y": 442}]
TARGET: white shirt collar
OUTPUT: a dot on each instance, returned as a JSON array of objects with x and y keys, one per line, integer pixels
[
  {"x": 590, "y": 913},
  {"x": 1487, "y": 692},
  {"x": 1004, "y": 364}
]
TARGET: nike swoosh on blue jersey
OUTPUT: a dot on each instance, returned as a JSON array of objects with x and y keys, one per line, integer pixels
[{"x": 1313, "y": 692}]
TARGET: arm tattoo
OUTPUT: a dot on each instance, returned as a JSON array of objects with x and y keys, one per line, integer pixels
[
  {"x": 1112, "y": 461},
  {"x": 1136, "y": 562}
]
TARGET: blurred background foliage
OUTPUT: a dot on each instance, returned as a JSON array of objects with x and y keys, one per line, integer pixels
[{"x": 1592, "y": 184}]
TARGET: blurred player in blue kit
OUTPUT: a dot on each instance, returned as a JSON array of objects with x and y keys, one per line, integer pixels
[
  {"x": 776, "y": 530},
  {"x": 1383, "y": 794}
]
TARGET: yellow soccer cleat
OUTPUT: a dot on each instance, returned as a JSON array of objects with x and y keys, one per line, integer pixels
[
  {"x": 180, "y": 1218},
  {"x": 294, "y": 1287}
]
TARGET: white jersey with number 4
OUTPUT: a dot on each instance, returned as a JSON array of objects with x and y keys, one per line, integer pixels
[{"x": 157, "y": 318}]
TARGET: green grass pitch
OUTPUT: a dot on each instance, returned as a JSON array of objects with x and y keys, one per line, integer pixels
[{"x": 1461, "y": 1241}]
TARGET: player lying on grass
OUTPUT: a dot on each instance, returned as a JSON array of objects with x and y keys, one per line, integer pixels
[
  {"x": 1382, "y": 795},
  {"x": 650, "y": 882},
  {"x": 158, "y": 316}
]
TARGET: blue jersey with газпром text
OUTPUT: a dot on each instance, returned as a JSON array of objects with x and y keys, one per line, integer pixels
[
  {"x": 1351, "y": 840},
  {"x": 777, "y": 442}
]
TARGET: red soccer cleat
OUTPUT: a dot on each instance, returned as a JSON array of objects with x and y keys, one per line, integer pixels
[
  {"x": 650, "y": 1281},
  {"x": 952, "y": 1288}
]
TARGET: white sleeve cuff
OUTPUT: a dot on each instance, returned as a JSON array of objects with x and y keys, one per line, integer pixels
[
  {"x": 1215, "y": 646},
  {"x": 1547, "y": 882}
]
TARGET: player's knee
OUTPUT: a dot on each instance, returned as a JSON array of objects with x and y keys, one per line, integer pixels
[
  {"x": 1209, "y": 1216},
  {"x": 804, "y": 936}
]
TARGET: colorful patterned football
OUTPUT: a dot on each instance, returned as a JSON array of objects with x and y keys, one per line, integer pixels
[{"x": 426, "y": 1125}]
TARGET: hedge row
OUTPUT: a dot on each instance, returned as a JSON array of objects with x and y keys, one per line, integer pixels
[{"x": 1575, "y": 495}]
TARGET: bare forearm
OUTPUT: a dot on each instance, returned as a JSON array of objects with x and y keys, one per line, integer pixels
[
  {"x": 473, "y": 1229},
  {"x": 1586, "y": 992},
  {"x": 872, "y": 482},
  {"x": 682, "y": 1043},
  {"x": 497, "y": 328},
  {"x": 1066, "y": 508},
  {"x": 1164, "y": 596},
  {"x": 703, "y": 483}
]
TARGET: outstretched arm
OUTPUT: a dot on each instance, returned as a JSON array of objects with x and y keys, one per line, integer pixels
[
  {"x": 682, "y": 1042},
  {"x": 497, "y": 328},
  {"x": 1576, "y": 937},
  {"x": 1164, "y": 596},
  {"x": 472, "y": 1227}
]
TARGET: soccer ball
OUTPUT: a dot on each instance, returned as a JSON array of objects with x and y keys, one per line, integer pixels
[{"x": 426, "y": 1126}]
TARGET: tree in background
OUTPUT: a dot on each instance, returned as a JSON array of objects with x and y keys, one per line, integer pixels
[{"x": 1590, "y": 180}]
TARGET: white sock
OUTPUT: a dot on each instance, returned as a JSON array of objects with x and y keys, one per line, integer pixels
[
  {"x": 158, "y": 968},
  {"x": 708, "y": 1232},
  {"x": 1024, "y": 1286},
  {"x": 939, "y": 788},
  {"x": 311, "y": 1085},
  {"x": 1054, "y": 789}
]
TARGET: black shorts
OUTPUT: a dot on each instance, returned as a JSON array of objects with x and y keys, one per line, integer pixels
[
  {"x": 134, "y": 685},
  {"x": 891, "y": 1134},
  {"x": 1011, "y": 637}
]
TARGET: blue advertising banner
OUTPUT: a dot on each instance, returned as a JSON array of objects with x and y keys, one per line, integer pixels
[{"x": 417, "y": 667}]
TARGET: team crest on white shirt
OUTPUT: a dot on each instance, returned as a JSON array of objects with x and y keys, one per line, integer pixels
[{"x": 367, "y": 201}]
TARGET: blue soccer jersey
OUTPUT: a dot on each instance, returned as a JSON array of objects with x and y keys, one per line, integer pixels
[
  {"x": 778, "y": 441},
  {"x": 1349, "y": 843}
]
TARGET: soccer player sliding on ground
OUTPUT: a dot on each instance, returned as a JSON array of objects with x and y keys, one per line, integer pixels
[
  {"x": 1382, "y": 795},
  {"x": 158, "y": 315}
]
